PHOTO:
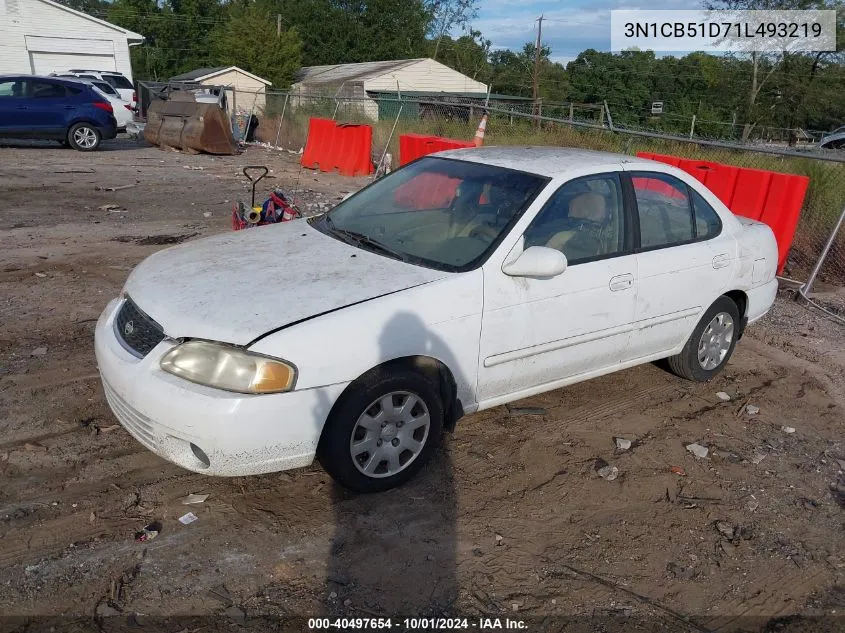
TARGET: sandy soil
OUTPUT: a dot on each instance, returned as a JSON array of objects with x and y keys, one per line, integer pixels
[{"x": 511, "y": 519}]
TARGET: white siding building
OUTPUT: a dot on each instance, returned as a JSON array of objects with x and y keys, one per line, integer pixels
[
  {"x": 366, "y": 81},
  {"x": 42, "y": 37}
]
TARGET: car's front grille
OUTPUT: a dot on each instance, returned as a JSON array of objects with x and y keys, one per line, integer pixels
[
  {"x": 138, "y": 332},
  {"x": 138, "y": 425}
]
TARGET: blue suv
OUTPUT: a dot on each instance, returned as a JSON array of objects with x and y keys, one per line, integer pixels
[{"x": 59, "y": 109}]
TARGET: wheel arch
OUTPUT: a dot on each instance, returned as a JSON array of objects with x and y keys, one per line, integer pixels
[
  {"x": 740, "y": 298},
  {"x": 435, "y": 370}
]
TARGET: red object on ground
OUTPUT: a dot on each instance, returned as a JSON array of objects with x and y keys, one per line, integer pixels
[
  {"x": 413, "y": 146},
  {"x": 770, "y": 197},
  {"x": 345, "y": 147}
]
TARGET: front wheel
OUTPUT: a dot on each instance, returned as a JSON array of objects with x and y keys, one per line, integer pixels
[
  {"x": 711, "y": 344},
  {"x": 84, "y": 137},
  {"x": 383, "y": 430}
]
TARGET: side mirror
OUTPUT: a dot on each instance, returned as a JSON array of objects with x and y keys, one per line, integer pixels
[{"x": 537, "y": 261}]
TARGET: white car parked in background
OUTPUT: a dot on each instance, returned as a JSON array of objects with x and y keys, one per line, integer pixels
[
  {"x": 462, "y": 281},
  {"x": 118, "y": 81},
  {"x": 123, "y": 112}
]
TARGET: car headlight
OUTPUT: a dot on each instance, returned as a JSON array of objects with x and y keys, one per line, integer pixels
[{"x": 228, "y": 368}]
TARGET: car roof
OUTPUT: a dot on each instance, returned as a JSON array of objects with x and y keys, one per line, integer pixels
[
  {"x": 545, "y": 161},
  {"x": 61, "y": 80}
]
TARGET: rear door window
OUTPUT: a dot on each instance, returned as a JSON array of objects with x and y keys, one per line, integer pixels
[
  {"x": 47, "y": 90},
  {"x": 665, "y": 212}
]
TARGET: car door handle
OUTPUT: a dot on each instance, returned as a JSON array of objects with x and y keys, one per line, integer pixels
[
  {"x": 721, "y": 260},
  {"x": 621, "y": 282}
]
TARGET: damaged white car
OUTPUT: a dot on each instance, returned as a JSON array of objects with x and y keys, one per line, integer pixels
[{"x": 462, "y": 281}]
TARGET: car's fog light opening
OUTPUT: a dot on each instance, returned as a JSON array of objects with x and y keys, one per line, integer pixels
[{"x": 200, "y": 455}]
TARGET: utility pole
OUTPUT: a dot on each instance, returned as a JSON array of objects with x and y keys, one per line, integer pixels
[
  {"x": 278, "y": 25},
  {"x": 536, "y": 87}
]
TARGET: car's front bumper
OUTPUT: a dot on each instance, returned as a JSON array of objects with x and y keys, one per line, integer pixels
[{"x": 240, "y": 434}]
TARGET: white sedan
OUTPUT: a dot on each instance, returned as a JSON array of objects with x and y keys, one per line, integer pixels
[{"x": 460, "y": 282}]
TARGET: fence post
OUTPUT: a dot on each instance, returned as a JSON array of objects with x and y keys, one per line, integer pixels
[
  {"x": 609, "y": 118},
  {"x": 571, "y": 111},
  {"x": 284, "y": 107},
  {"x": 692, "y": 127},
  {"x": 807, "y": 287}
]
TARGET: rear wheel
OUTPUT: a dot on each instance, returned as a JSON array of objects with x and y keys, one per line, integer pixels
[
  {"x": 711, "y": 344},
  {"x": 383, "y": 431},
  {"x": 84, "y": 137}
]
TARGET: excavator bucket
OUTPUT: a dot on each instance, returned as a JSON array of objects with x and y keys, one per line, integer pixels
[{"x": 186, "y": 124}]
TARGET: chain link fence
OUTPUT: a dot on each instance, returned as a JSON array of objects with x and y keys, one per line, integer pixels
[{"x": 284, "y": 124}]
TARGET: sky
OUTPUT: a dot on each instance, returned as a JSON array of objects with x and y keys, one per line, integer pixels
[{"x": 569, "y": 26}]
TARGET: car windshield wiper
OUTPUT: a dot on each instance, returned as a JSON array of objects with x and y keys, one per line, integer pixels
[{"x": 364, "y": 240}]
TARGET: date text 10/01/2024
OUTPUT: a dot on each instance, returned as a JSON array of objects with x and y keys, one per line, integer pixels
[{"x": 423, "y": 624}]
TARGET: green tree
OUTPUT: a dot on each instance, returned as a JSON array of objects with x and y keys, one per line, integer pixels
[
  {"x": 249, "y": 40},
  {"x": 468, "y": 54}
]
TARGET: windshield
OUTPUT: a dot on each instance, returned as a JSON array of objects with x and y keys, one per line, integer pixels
[
  {"x": 118, "y": 81},
  {"x": 436, "y": 212}
]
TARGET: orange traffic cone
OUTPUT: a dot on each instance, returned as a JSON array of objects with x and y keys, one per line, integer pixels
[{"x": 479, "y": 133}]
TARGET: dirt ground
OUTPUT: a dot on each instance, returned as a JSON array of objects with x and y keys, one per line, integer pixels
[{"x": 511, "y": 520}]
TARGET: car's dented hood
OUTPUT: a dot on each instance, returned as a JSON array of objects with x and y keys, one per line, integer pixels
[{"x": 237, "y": 286}]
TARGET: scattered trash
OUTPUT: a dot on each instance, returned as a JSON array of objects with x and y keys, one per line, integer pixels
[
  {"x": 725, "y": 529},
  {"x": 148, "y": 533},
  {"x": 237, "y": 615},
  {"x": 189, "y": 518},
  {"x": 499, "y": 539},
  {"x": 108, "y": 429},
  {"x": 677, "y": 470},
  {"x": 118, "y": 188},
  {"x": 39, "y": 351},
  {"x": 728, "y": 456},
  {"x": 788, "y": 429},
  {"x": 723, "y": 396},
  {"x": 750, "y": 409},
  {"x": 622, "y": 444},
  {"x": 41, "y": 275},
  {"x": 698, "y": 450},
  {"x": 757, "y": 458},
  {"x": 92, "y": 517},
  {"x": 193, "y": 167},
  {"x": 605, "y": 470},
  {"x": 34, "y": 446},
  {"x": 347, "y": 603},
  {"x": 333, "y": 595},
  {"x": 110, "y": 207},
  {"x": 526, "y": 411},
  {"x": 753, "y": 504},
  {"x": 193, "y": 498},
  {"x": 841, "y": 463},
  {"x": 206, "y": 214}
]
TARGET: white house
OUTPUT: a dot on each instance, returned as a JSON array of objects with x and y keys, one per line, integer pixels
[
  {"x": 42, "y": 37},
  {"x": 366, "y": 81},
  {"x": 245, "y": 91}
]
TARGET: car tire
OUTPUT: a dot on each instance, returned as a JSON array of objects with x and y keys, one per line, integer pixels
[
  {"x": 711, "y": 343},
  {"x": 84, "y": 137},
  {"x": 368, "y": 448}
]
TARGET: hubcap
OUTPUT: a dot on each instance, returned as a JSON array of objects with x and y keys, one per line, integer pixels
[
  {"x": 715, "y": 341},
  {"x": 390, "y": 434},
  {"x": 85, "y": 137}
]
